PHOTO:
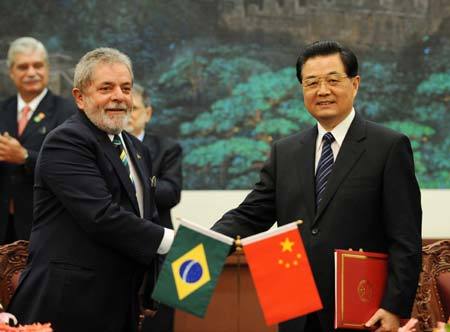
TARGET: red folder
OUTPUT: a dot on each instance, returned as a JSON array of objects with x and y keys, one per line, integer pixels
[{"x": 360, "y": 280}]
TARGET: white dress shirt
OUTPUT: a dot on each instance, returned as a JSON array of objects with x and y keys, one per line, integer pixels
[
  {"x": 338, "y": 132},
  {"x": 33, "y": 104}
]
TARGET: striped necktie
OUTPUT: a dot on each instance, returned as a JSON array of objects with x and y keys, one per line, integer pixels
[
  {"x": 324, "y": 167},
  {"x": 122, "y": 155}
]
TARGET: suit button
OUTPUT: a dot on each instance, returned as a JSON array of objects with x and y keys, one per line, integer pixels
[{"x": 314, "y": 231}]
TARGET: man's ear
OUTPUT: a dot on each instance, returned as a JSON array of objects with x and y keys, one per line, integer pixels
[
  {"x": 79, "y": 98},
  {"x": 148, "y": 113},
  {"x": 355, "y": 82}
]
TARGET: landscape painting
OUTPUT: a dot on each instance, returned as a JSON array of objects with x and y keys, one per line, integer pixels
[{"x": 220, "y": 74}]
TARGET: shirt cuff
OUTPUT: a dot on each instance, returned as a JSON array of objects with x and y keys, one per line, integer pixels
[{"x": 166, "y": 241}]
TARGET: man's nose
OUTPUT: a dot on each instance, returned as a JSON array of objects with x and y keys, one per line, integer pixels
[
  {"x": 323, "y": 88},
  {"x": 31, "y": 71},
  {"x": 117, "y": 94}
]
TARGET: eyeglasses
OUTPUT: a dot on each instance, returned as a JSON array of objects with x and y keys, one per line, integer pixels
[{"x": 330, "y": 80}]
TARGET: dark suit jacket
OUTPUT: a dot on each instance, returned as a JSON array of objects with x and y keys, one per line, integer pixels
[
  {"x": 166, "y": 164},
  {"x": 16, "y": 181},
  {"x": 372, "y": 201},
  {"x": 88, "y": 248}
]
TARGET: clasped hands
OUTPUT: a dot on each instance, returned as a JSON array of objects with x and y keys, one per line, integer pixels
[{"x": 11, "y": 151}]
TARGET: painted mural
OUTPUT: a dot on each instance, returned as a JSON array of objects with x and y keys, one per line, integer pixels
[{"x": 221, "y": 73}]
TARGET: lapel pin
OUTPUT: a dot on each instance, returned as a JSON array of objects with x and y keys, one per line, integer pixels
[
  {"x": 39, "y": 117},
  {"x": 138, "y": 156},
  {"x": 153, "y": 181}
]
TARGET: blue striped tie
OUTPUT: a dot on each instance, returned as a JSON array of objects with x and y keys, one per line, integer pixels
[
  {"x": 324, "y": 167},
  {"x": 122, "y": 155}
]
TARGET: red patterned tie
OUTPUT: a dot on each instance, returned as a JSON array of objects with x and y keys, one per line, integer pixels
[{"x": 23, "y": 119}]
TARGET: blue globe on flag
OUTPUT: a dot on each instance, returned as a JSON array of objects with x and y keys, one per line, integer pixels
[{"x": 191, "y": 271}]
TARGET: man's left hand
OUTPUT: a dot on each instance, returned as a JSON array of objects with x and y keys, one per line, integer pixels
[
  {"x": 387, "y": 321},
  {"x": 11, "y": 151}
]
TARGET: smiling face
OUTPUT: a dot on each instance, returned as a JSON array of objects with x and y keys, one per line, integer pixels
[
  {"x": 29, "y": 72},
  {"x": 107, "y": 99},
  {"x": 329, "y": 102}
]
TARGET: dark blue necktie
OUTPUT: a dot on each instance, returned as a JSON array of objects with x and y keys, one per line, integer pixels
[{"x": 324, "y": 167}]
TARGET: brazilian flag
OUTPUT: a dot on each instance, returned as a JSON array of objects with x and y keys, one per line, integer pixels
[{"x": 191, "y": 269}]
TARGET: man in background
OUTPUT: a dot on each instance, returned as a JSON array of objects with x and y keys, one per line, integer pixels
[
  {"x": 166, "y": 155},
  {"x": 95, "y": 231},
  {"x": 25, "y": 120},
  {"x": 352, "y": 183}
]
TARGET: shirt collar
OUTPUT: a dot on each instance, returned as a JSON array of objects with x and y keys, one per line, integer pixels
[
  {"x": 141, "y": 136},
  {"x": 339, "y": 131},
  {"x": 33, "y": 104},
  {"x": 111, "y": 137}
]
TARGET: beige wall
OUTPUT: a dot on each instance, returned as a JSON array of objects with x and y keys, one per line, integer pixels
[{"x": 206, "y": 206}]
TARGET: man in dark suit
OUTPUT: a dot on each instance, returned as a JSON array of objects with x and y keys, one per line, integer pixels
[
  {"x": 93, "y": 235},
  {"x": 351, "y": 181},
  {"x": 166, "y": 155},
  {"x": 25, "y": 120}
]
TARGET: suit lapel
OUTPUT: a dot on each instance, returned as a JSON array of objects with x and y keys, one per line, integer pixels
[
  {"x": 351, "y": 150},
  {"x": 122, "y": 172},
  {"x": 138, "y": 162},
  {"x": 37, "y": 122},
  {"x": 305, "y": 170},
  {"x": 11, "y": 118},
  {"x": 152, "y": 146},
  {"x": 112, "y": 155}
]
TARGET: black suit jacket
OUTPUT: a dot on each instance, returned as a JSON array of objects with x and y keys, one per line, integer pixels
[
  {"x": 88, "y": 248},
  {"x": 16, "y": 181},
  {"x": 372, "y": 201},
  {"x": 166, "y": 157}
]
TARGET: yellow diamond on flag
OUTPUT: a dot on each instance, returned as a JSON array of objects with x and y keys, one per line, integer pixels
[{"x": 190, "y": 271}]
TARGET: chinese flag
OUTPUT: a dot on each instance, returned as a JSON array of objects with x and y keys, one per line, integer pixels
[{"x": 281, "y": 274}]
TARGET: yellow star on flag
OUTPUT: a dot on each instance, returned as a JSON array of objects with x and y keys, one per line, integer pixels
[{"x": 286, "y": 245}]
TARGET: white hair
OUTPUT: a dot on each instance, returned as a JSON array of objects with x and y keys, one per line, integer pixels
[
  {"x": 25, "y": 45},
  {"x": 86, "y": 66}
]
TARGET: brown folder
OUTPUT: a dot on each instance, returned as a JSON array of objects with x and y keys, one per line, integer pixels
[{"x": 360, "y": 280}]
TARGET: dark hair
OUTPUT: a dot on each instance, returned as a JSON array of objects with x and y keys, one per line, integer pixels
[{"x": 328, "y": 47}]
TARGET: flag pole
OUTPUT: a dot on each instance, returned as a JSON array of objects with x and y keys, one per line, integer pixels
[{"x": 238, "y": 245}]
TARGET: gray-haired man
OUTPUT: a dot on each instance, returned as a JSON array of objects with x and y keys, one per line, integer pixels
[
  {"x": 25, "y": 120},
  {"x": 94, "y": 234}
]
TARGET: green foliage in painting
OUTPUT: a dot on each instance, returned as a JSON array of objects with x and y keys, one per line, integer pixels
[
  {"x": 228, "y": 133},
  {"x": 263, "y": 108},
  {"x": 227, "y": 99}
]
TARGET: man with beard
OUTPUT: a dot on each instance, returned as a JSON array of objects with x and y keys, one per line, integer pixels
[
  {"x": 25, "y": 120},
  {"x": 93, "y": 235}
]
